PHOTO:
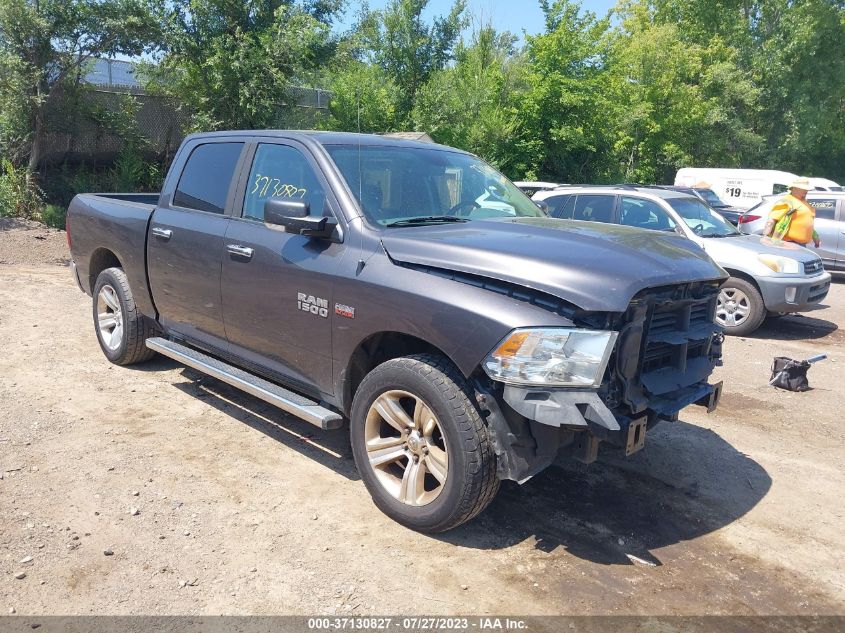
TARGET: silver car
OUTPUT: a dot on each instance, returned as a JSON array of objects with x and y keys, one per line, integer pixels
[
  {"x": 830, "y": 224},
  {"x": 766, "y": 277}
]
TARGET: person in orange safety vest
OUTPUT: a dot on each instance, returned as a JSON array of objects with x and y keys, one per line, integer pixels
[{"x": 791, "y": 218}]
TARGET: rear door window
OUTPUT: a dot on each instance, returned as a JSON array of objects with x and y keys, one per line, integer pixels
[
  {"x": 206, "y": 177},
  {"x": 594, "y": 207}
]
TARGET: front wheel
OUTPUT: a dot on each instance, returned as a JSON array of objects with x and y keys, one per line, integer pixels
[
  {"x": 122, "y": 331},
  {"x": 420, "y": 444},
  {"x": 739, "y": 309}
]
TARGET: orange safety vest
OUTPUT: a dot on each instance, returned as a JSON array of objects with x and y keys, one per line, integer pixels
[{"x": 801, "y": 226}]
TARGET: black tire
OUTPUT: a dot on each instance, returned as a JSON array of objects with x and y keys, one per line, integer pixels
[
  {"x": 471, "y": 483},
  {"x": 753, "y": 300},
  {"x": 130, "y": 346}
]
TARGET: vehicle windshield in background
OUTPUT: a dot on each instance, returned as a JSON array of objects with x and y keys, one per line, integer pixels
[
  {"x": 703, "y": 220},
  {"x": 399, "y": 186},
  {"x": 711, "y": 198}
]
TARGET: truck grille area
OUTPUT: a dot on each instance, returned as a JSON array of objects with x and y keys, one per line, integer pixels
[{"x": 668, "y": 345}]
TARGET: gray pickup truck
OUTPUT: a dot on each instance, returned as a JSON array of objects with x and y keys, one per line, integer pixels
[{"x": 412, "y": 290}]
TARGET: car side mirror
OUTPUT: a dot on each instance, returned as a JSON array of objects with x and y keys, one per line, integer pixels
[
  {"x": 543, "y": 206},
  {"x": 294, "y": 216}
]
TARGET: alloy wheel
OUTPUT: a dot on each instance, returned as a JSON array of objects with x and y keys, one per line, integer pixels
[
  {"x": 109, "y": 317},
  {"x": 406, "y": 447}
]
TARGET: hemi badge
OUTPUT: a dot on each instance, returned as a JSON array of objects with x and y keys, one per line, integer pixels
[{"x": 344, "y": 310}]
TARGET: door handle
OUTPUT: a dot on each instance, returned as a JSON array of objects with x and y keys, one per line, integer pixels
[
  {"x": 240, "y": 251},
  {"x": 165, "y": 234}
]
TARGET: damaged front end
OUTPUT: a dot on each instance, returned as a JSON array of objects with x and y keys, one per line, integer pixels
[{"x": 667, "y": 347}]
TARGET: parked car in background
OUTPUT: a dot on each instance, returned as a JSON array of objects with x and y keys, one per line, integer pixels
[
  {"x": 823, "y": 184},
  {"x": 829, "y": 224},
  {"x": 530, "y": 187},
  {"x": 766, "y": 278},
  {"x": 707, "y": 195},
  {"x": 742, "y": 188}
]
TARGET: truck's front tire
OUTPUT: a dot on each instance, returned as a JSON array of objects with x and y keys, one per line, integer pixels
[
  {"x": 121, "y": 329},
  {"x": 420, "y": 444}
]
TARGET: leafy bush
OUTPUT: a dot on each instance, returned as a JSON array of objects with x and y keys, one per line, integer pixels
[
  {"x": 20, "y": 195},
  {"x": 54, "y": 215},
  {"x": 128, "y": 173},
  {"x": 154, "y": 177}
]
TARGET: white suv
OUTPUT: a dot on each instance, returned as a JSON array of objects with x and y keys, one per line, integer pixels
[{"x": 765, "y": 277}]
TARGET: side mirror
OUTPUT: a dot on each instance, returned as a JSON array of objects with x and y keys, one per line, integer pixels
[
  {"x": 544, "y": 207},
  {"x": 294, "y": 217}
]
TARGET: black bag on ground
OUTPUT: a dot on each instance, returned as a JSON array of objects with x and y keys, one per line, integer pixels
[{"x": 790, "y": 374}]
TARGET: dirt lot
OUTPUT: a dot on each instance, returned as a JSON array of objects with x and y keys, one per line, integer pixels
[{"x": 244, "y": 510}]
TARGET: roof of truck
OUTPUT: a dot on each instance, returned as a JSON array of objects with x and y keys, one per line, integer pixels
[{"x": 330, "y": 138}]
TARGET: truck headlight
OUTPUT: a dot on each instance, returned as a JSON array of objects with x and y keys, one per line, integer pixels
[
  {"x": 781, "y": 264},
  {"x": 555, "y": 357}
]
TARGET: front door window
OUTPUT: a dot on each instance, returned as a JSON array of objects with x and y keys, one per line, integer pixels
[{"x": 281, "y": 171}]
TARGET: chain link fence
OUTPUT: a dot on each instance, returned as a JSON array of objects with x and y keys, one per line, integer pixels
[{"x": 82, "y": 139}]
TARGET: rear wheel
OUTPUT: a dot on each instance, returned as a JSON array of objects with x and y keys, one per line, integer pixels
[
  {"x": 739, "y": 309},
  {"x": 121, "y": 330},
  {"x": 420, "y": 444}
]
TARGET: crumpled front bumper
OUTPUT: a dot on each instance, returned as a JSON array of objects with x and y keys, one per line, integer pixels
[{"x": 584, "y": 410}]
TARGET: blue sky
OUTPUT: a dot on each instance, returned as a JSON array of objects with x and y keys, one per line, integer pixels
[{"x": 515, "y": 16}]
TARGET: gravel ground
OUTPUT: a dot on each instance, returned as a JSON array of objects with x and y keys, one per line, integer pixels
[
  {"x": 154, "y": 490},
  {"x": 25, "y": 242}
]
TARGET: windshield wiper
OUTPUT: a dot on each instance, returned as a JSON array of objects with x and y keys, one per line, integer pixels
[{"x": 428, "y": 219}]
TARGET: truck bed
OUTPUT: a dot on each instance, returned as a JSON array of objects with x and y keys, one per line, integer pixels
[
  {"x": 106, "y": 227},
  {"x": 142, "y": 199}
]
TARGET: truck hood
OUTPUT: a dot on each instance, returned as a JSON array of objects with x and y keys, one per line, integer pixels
[{"x": 597, "y": 267}]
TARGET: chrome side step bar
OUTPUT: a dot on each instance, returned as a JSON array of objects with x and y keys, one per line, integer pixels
[{"x": 286, "y": 400}]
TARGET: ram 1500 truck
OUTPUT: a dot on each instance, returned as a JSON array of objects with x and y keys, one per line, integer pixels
[{"x": 412, "y": 290}]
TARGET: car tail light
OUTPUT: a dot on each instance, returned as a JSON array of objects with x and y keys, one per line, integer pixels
[{"x": 748, "y": 219}]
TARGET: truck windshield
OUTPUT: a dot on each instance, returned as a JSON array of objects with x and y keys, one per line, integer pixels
[
  {"x": 411, "y": 186},
  {"x": 703, "y": 220}
]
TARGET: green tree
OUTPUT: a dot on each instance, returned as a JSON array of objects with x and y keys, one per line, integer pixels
[
  {"x": 793, "y": 53},
  {"x": 405, "y": 47},
  {"x": 684, "y": 102},
  {"x": 44, "y": 48},
  {"x": 474, "y": 103},
  {"x": 569, "y": 106},
  {"x": 364, "y": 99},
  {"x": 798, "y": 60},
  {"x": 231, "y": 64}
]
